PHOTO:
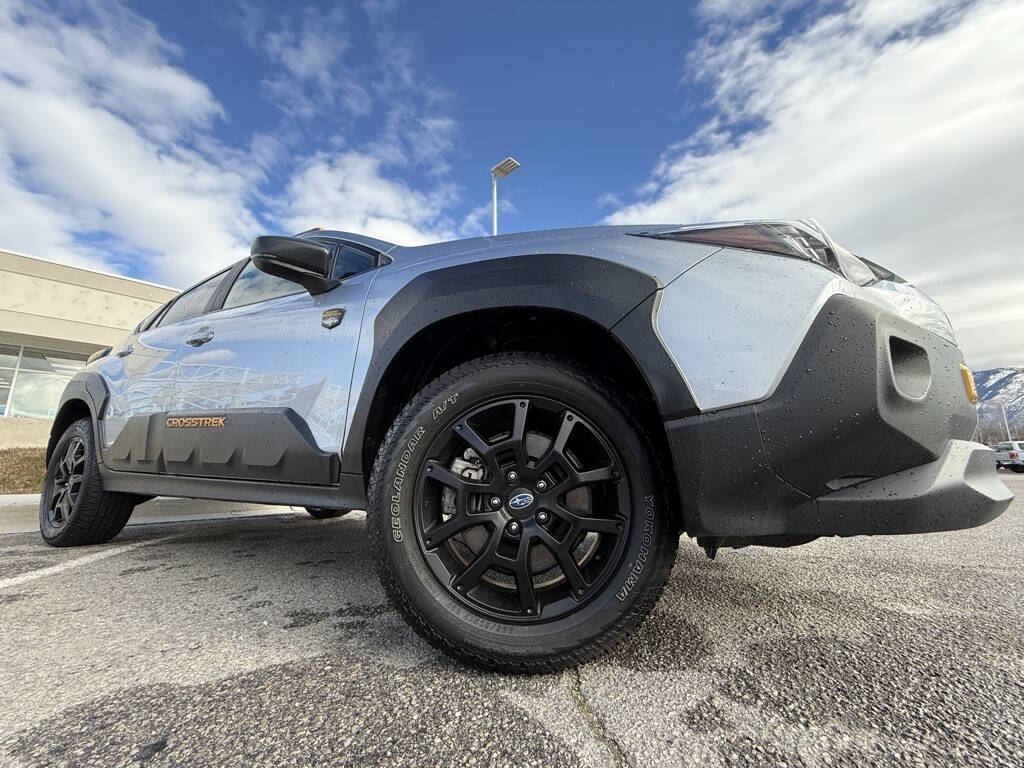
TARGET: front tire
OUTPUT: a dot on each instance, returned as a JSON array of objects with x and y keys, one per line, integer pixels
[
  {"x": 73, "y": 508},
  {"x": 518, "y": 517}
]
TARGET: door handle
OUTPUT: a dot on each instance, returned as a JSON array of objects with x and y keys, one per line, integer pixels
[
  {"x": 199, "y": 337},
  {"x": 124, "y": 351}
]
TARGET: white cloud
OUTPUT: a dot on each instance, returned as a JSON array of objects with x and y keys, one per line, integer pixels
[
  {"x": 108, "y": 154},
  {"x": 308, "y": 45},
  {"x": 99, "y": 133},
  {"x": 349, "y": 191},
  {"x": 733, "y": 10},
  {"x": 33, "y": 223},
  {"x": 899, "y": 125},
  {"x": 365, "y": 186},
  {"x": 478, "y": 222},
  {"x": 412, "y": 136}
]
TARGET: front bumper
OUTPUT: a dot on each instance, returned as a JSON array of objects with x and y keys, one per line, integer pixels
[
  {"x": 867, "y": 432},
  {"x": 960, "y": 489}
]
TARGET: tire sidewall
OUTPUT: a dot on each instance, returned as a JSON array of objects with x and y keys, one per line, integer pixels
[{"x": 434, "y": 412}]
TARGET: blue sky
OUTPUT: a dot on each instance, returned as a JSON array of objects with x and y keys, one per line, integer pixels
[
  {"x": 585, "y": 100},
  {"x": 156, "y": 139}
]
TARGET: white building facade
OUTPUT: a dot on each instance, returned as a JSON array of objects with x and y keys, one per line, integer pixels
[{"x": 52, "y": 317}]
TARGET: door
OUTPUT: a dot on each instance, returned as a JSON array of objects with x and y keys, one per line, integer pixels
[
  {"x": 262, "y": 384},
  {"x": 140, "y": 373}
]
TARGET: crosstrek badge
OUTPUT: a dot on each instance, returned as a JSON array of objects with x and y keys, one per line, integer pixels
[{"x": 174, "y": 422}]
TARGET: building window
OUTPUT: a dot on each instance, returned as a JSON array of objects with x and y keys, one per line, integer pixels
[
  {"x": 32, "y": 380},
  {"x": 8, "y": 365}
]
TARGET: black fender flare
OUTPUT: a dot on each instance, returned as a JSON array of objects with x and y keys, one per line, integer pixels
[
  {"x": 602, "y": 291},
  {"x": 85, "y": 387}
]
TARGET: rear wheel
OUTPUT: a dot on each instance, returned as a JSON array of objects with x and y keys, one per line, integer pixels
[
  {"x": 324, "y": 513},
  {"x": 74, "y": 509},
  {"x": 1017, "y": 468},
  {"x": 518, "y": 516}
]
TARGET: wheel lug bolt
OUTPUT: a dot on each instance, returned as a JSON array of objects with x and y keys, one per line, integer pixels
[
  {"x": 542, "y": 485},
  {"x": 512, "y": 476},
  {"x": 542, "y": 517},
  {"x": 513, "y": 528},
  {"x": 495, "y": 501}
]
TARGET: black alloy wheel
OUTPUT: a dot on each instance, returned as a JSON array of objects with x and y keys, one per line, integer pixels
[
  {"x": 522, "y": 509},
  {"x": 67, "y": 483}
]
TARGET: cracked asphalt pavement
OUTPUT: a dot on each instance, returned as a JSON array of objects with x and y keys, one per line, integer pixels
[{"x": 267, "y": 641}]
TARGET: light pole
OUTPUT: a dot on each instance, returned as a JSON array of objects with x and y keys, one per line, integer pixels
[{"x": 502, "y": 169}]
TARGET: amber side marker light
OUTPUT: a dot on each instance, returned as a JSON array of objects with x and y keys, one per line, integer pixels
[{"x": 968, "y": 377}]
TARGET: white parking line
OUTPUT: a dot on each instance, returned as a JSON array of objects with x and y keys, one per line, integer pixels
[{"x": 53, "y": 570}]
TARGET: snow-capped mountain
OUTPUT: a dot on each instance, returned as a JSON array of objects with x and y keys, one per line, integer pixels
[{"x": 1000, "y": 387}]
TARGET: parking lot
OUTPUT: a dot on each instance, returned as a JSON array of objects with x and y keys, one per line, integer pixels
[{"x": 265, "y": 640}]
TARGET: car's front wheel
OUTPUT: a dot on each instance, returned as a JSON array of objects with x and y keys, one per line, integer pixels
[
  {"x": 518, "y": 515},
  {"x": 73, "y": 508}
]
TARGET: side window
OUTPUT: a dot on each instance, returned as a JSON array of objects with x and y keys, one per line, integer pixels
[
  {"x": 252, "y": 286},
  {"x": 350, "y": 261},
  {"x": 192, "y": 302},
  {"x": 149, "y": 320}
]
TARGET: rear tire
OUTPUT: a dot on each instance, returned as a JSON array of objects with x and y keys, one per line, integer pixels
[
  {"x": 1017, "y": 468},
  {"x": 325, "y": 513},
  {"x": 74, "y": 509},
  {"x": 551, "y": 580}
]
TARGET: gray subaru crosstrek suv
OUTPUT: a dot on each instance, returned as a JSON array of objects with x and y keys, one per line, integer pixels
[{"x": 532, "y": 420}]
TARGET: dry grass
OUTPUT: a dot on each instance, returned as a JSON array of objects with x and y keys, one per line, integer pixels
[{"x": 21, "y": 470}]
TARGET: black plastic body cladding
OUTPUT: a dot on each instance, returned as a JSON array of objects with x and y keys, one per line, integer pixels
[
  {"x": 637, "y": 333},
  {"x": 270, "y": 444},
  {"x": 726, "y": 484},
  {"x": 778, "y": 467},
  {"x": 601, "y": 291},
  {"x": 838, "y": 404},
  {"x": 87, "y": 388},
  {"x": 349, "y": 492}
]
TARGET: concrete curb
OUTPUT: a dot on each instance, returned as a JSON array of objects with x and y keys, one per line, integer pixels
[{"x": 18, "y": 499}]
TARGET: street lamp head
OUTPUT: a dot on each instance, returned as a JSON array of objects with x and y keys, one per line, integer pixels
[
  {"x": 500, "y": 171},
  {"x": 505, "y": 167}
]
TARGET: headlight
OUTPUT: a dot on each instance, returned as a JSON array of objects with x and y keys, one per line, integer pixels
[{"x": 801, "y": 238}]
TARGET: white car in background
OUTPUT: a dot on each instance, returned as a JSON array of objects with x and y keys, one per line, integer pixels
[{"x": 1010, "y": 455}]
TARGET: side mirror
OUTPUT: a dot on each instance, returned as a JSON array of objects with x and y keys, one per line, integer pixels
[{"x": 292, "y": 258}]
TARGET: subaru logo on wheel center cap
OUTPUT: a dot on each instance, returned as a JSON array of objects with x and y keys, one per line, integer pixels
[{"x": 520, "y": 500}]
